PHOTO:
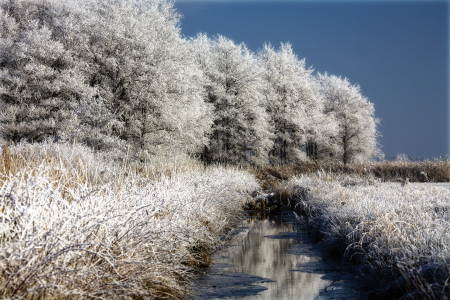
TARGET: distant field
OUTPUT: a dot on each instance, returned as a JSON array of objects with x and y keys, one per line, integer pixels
[{"x": 385, "y": 171}]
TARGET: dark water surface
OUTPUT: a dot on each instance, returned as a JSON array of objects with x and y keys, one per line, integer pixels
[{"x": 269, "y": 259}]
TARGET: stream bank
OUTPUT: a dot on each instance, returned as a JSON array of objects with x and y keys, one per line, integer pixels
[{"x": 394, "y": 234}]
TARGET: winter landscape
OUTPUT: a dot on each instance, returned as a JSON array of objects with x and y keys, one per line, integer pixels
[{"x": 128, "y": 153}]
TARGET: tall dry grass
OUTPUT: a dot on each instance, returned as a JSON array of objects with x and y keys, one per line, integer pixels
[
  {"x": 387, "y": 171},
  {"x": 74, "y": 226},
  {"x": 399, "y": 232}
]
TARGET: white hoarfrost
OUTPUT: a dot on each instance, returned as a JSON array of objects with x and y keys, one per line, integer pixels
[
  {"x": 241, "y": 133},
  {"x": 409, "y": 221},
  {"x": 294, "y": 104},
  {"x": 118, "y": 76},
  {"x": 130, "y": 235},
  {"x": 126, "y": 58},
  {"x": 356, "y": 136}
]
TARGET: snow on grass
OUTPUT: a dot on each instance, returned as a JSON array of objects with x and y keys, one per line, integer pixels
[{"x": 72, "y": 225}]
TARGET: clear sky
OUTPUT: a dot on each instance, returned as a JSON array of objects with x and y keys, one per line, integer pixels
[{"x": 398, "y": 52}]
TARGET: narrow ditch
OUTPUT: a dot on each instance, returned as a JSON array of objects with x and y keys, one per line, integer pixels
[{"x": 270, "y": 257}]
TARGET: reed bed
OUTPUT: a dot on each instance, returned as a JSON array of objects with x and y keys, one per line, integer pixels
[
  {"x": 76, "y": 227},
  {"x": 398, "y": 232},
  {"x": 437, "y": 170}
]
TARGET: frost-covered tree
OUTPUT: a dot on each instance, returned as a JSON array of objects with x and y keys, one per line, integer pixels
[
  {"x": 294, "y": 104},
  {"x": 38, "y": 74},
  {"x": 141, "y": 67},
  {"x": 92, "y": 124},
  {"x": 124, "y": 58},
  {"x": 321, "y": 136},
  {"x": 356, "y": 138},
  {"x": 109, "y": 72},
  {"x": 241, "y": 132}
]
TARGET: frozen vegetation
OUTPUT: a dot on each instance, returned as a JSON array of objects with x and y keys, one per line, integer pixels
[
  {"x": 73, "y": 225},
  {"x": 120, "y": 204},
  {"x": 118, "y": 76},
  {"x": 399, "y": 231}
]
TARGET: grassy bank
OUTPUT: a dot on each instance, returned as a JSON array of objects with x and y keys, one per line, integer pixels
[
  {"x": 398, "y": 234},
  {"x": 75, "y": 226}
]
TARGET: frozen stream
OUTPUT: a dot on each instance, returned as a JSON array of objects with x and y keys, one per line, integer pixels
[{"x": 269, "y": 259}]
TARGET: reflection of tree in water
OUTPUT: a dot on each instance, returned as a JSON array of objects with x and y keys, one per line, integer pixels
[{"x": 266, "y": 257}]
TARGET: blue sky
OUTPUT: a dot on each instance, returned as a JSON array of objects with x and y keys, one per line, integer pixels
[{"x": 398, "y": 52}]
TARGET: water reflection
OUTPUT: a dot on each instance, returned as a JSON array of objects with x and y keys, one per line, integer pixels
[{"x": 265, "y": 262}]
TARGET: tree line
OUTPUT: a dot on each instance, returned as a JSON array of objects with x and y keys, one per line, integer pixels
[{"x": 118, "y": 76}]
